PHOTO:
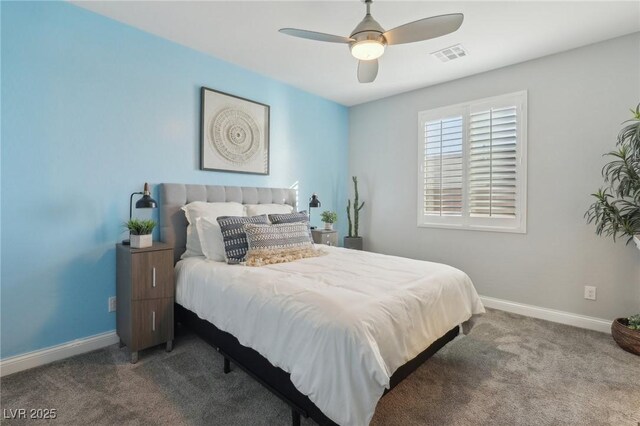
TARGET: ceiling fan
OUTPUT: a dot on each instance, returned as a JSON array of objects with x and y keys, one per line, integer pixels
[{"x": 368, "y": 40}]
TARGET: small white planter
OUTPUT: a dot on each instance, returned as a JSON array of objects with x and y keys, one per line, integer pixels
[
  {"x": 637, "y": 241},
  {"x": 141, "y": 241},
  {"x": 328, "y": 226}
]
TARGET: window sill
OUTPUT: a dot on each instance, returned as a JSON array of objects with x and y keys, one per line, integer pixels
[{"x": 465, "y": 227}]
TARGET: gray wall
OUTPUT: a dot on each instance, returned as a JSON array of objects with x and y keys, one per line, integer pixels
[{"x": 577, "y": 100}]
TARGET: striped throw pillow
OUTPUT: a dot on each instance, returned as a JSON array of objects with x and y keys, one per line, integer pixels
[
  {"x": 292, "y": 218},
  {"x": 234, "y": 237},
  {"x": 289, "y": 217},
  {"x": 278, "y": 243}
]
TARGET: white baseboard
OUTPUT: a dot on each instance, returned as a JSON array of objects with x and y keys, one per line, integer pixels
[
  {"x": 76, "y": 347},
  {"x": 562, "y": 317},
  {"x": 54, "y": 353}
]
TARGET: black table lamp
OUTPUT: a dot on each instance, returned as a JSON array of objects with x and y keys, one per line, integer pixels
[
  {"x": 313, "y": 204},
  {"x": 146, "y": 202}
]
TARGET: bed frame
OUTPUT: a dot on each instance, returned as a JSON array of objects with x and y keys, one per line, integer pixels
[{"x": 173, "y": 230}]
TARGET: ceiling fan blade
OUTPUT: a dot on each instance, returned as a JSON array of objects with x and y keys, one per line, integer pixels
[
  {"x": 367, "y": 71},
  {"x": 312, "y": 35},
  {"x": 424, "y": 29}
]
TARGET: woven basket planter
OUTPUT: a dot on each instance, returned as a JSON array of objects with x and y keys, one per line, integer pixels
[{"x": 627, "y": 339}]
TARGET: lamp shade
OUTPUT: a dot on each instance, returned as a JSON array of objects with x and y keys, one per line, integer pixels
[
  {"x": 314, "y": 201},
  {"x": 146, "y": 202}
]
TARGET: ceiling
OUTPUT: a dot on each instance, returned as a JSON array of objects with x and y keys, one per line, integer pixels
[{"x": 495, "y": 34}]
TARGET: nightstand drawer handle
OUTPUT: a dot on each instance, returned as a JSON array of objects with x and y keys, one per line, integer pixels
[
  {"x": 154, "y": 277},
  {"x": 153, "y": 320}
]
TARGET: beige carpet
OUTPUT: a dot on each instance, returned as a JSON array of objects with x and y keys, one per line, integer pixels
[{"x": 511, "y": 370}]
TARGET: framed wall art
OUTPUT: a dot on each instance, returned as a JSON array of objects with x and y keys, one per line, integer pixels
[{"x": 234, "y": 134}]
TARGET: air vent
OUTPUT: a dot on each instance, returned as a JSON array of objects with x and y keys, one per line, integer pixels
[{"x": 449, "y": 53}]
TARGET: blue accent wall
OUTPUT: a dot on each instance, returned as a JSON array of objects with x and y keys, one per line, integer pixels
[{"x": 91, "y": 109}]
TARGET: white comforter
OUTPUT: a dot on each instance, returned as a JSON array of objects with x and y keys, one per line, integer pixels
[{"x": 341, "y": 324}]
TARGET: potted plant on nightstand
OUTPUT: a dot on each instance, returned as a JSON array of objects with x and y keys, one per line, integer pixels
[
  {"x": 140, "y": 232},
  {"x": 616, "y": 212},
  {"x": 353, "y": 240},
  {"x": 329, "y": 218}
]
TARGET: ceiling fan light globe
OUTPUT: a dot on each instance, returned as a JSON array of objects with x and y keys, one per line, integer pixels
[{"x": 367, "y": 50}]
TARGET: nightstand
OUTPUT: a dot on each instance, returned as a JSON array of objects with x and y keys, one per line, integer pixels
[
  {"x": 323, "y": 236},
  {"x": 144, "y": 297}
]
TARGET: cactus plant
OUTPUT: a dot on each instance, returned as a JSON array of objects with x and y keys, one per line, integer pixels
[
  {"x": 353, "y": 227},
  {"x": 350, "y": 233}
]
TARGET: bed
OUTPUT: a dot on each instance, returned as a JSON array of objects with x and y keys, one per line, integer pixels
[{"x": 336, "y": 332}]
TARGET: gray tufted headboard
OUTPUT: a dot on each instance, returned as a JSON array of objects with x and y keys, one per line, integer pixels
[{"x": 173, "y": 223}]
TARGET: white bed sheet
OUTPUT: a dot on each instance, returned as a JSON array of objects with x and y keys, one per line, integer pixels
[{"x": 341, "y": 324}]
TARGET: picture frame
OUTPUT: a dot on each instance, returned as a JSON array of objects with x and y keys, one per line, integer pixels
[{"x": 234, "y": 133}]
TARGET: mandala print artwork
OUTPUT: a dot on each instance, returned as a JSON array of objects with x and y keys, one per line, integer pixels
[{"x": 234, "y": 134}]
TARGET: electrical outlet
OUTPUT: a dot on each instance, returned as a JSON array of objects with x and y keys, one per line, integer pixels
[
  {"x": 112, "y": 304},
  {"x": 589, "y": 292}
]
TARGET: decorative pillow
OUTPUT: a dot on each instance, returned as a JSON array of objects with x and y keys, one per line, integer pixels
[
  {"x": 234, "y": 237},
  {"x": 289, "y": 217},
  {"x": 292, "y": 218},
  {"x": 211, "y": 240},
  {"x": 279, "y": 243},
  {"x": 258, "y": 209},
  {"x": 198, "y": 209}
]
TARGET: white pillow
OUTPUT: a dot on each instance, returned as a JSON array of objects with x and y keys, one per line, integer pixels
[
  {"x": 211, "y": 238},
  {"x": 198, "y": 209},
  {"x": 259, "y": 209}
]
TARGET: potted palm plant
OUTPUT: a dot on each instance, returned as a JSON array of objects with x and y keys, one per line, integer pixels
[
  {"x": 329, "y": 218},
  {"x": 616, "y": 212},
  {"x": 140, "y": 232}
]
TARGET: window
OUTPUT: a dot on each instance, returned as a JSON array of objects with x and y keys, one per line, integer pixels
[{"x": 472, "y": 165}]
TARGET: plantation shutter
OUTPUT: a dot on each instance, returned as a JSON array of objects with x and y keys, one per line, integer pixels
[
  {"x": 493, "y": 162},
  {"x": 472, "y": 165},
  {"x": 443, "y": 167}
]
